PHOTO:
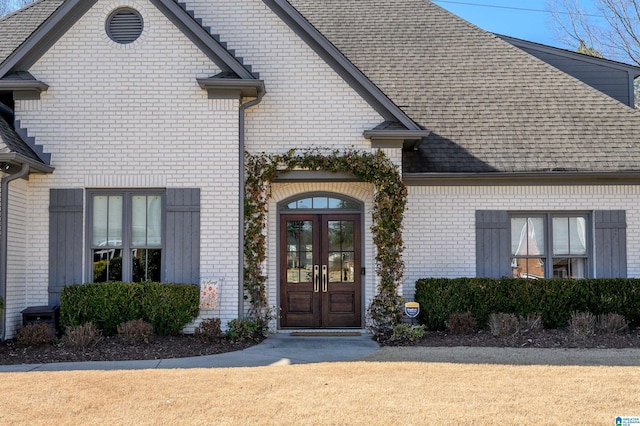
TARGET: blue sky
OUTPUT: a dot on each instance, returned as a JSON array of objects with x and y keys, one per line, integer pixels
[{"x": 508, "y": 18}]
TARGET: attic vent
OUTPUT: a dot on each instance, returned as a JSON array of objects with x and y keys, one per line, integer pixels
[{"x": 124, "y": 25}]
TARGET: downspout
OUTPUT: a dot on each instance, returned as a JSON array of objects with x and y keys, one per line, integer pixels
[
  {"x": 4, "y": 240},
  {"x": 243, "y": 108}
]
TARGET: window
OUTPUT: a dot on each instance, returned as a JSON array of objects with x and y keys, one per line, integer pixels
[
  {"x": 549, "y": 245},
  {"x": 126, "y": 235}
]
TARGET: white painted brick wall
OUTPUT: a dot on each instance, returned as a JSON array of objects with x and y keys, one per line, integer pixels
[
  {"x": 134, "y": 116},
  {"x": 440, "y": 222},
  {"x": 16, "y": 256},
  {"x": 307, "y": 103}
]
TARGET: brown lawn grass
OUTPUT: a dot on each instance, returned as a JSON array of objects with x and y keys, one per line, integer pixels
[{"x": 337, "y": 393}]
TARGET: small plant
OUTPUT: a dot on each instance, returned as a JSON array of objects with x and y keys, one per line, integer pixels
[
  {"x": 582, "y": 324},
  {"x": 611, "y": 323},
  {"x": 135, "y": 332},
  {"x": 405, "y": 333},
  {"x": 82, "y": 336},
  {"x": 242, "y": 329},
  {"x": 209, "y": 330},
  {"x": 461, "y": 323},
  {"x": 530, "y": 322},
  {"x": 35, "y": 334},
  {"x": 502, "y": 325}
]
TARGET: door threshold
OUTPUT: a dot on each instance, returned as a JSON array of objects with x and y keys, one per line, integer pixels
[{"x": 322, "y": 333}]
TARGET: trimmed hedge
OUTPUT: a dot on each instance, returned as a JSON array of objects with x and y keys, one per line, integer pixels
[
  {"x": 167, "y": 307},
  {"x": 554, "y": 299}
]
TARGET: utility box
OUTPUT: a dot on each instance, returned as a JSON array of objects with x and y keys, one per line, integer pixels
[{"x": 41, "y": 314}]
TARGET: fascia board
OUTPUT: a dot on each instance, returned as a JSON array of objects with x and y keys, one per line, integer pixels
[
  {"x": 201, "y": 38},
  {"x": 604, "y": 62},
  {"x": 521, "y": 179},
  {"x": 336, "y": 60},
  {"x": 45, "y": 36},
  {"x": 19, "y": 159},
  {"x": 245, "y": 88}
]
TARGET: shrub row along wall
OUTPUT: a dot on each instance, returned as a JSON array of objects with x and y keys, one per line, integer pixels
[
  {"x": 554, "y": 299},
  {"x": 167, "y": 307}
]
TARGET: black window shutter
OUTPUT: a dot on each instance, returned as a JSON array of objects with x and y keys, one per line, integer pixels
[
  {"x": 65, "y": 240},
  {"x": 492, "y": 244},
  {"x": 611, "y": 243},
  {"x": 182, "y": 248}
]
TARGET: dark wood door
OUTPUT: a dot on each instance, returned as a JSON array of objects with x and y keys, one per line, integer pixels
[{"x": 320, "y": 278}]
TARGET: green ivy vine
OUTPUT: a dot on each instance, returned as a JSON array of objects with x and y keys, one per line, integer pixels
[{"x": 389, "y": 204}]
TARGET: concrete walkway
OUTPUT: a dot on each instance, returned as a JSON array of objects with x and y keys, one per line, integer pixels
[{"x": 277, "y": 349}]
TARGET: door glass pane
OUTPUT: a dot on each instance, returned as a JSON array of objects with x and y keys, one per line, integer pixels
[
  {"x": 334, "y": 235},
  {"x": 335, "y": 267},
  {"x": 341, "y": 250},
  {"x": 299, "y": 251},
  {"x": 306, "y": 267}
]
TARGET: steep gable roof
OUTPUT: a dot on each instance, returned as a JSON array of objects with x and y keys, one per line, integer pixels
[
  {"x": 16, "y": 27},
  {"x": 42, "y": 30},
  {"x": 490, "y": 106}
]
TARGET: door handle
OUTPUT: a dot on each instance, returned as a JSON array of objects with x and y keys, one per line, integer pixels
[
  {"x": 325, "y": 279},
  {"x": 316, "y": 279}
]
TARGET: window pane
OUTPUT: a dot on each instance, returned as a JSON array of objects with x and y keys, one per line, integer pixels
[
  {"x": 146, "y": 221},
  {"x": 320, "y": 202},
  {"x": 99, "y": 231},
  {"x": 139, "y": 221},
  {"x": 107, "y": 265},
  {"x": 107, "y": 221},
  {"x": 569, "y": 268},
  {"x": 569, "y": 236},
  {"x": 146, "y": 265},
  {"x": 114, "y": 230},
  {"x": 529, "y": 267},
  {"x": 578, "y": 235},
  {"x": 527, "y": 236}
]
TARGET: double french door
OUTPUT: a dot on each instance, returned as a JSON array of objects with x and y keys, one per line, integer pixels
[{"x": 320, "y": 271}]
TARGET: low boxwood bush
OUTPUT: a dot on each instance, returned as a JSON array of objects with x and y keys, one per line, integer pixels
[
  {"x": 553, "y": 299},
  {"x": 167, "y": 307}
]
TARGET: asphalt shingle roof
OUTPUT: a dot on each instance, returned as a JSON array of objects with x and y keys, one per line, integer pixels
[
  {"x": 10, "y": 142},
  {"x": 490, "y": 106},
  {"x": 16, "y": 27}
]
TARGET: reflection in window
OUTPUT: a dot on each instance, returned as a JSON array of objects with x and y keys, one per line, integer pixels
[
  {"x": 322, "y": 202},
  {"x": 126, "y": 237},
  {"x": 549, "y": 246},
  {"x": 341, "y": 251},
  {"x": 299, "y": 251}
]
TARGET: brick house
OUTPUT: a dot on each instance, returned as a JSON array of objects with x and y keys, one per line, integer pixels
[{"x": 123, "y": 126}]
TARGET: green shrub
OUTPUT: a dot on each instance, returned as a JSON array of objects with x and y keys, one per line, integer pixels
[
  {"x": 242, "y": 329},
  {"x": 35, "y": 334},
  {"x": 209, "y": 330},
  {"x": 167, "y": 307},
  {"x": 135, "y": 332},
  {"x": 553, "y": 299},
  {"x": 405, "y": 333},
  {"x": 81, "y": 336}
]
